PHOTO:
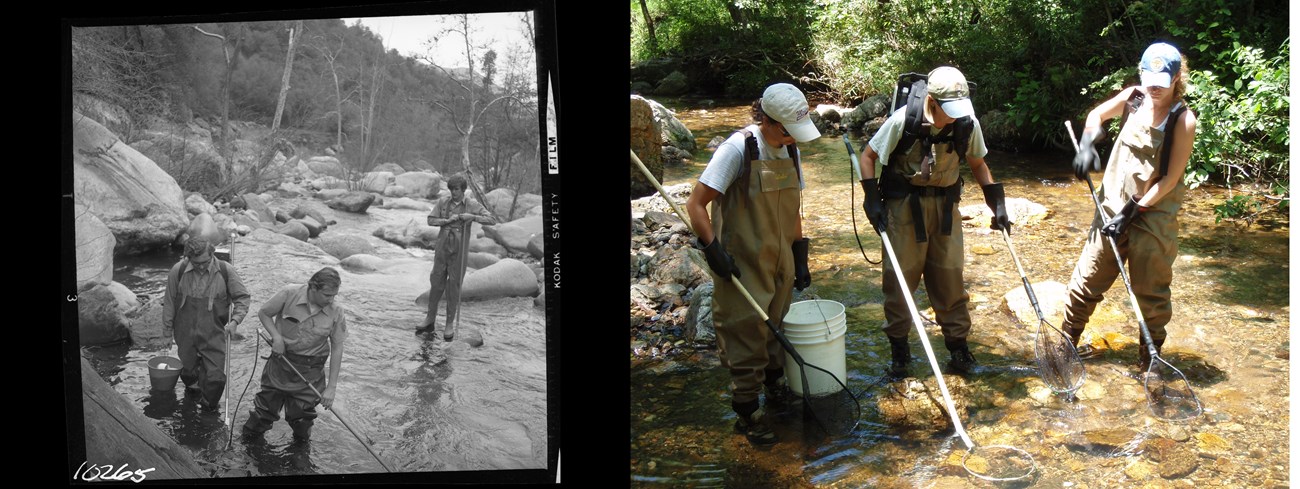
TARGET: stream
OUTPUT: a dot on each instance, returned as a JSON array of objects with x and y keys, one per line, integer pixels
[
  {"x": 1229, "y": 335},
  {"x": 427, "y": 405}
]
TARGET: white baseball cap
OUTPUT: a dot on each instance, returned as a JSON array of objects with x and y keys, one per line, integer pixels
[
  {"x": 786, "y": 104},
  {"x": 948, "y": 86}
]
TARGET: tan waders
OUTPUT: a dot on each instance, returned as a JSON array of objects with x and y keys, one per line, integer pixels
[
  {"x": 924, "y": 225},
  {"x": 757, "y": 220},
  {"x": 1149, "y": 246},
  {"x": 198, "y": 327}
]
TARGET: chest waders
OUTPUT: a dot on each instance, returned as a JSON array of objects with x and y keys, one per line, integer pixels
[
  {"x": 1138, "y": 160},
  {"x": 198, "y": 325},
  {"x": 921, "y": 193},
  {"x": 757, "y": 220}
]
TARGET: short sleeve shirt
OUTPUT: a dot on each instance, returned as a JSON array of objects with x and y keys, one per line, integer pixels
[
  {"x": 730, "y": 157},
  {"x": 304, "y": 326}
]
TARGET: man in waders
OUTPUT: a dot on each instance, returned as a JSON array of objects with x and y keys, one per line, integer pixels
[
  {"x": 196, "y": 307},
  {"x": 452, "y": 214},
  {"x": 1142, "y": 190},
  {"x": 915, "y": 202},
  {"x": 754, "y": 232},
  {"x": 307, "y": 328}
]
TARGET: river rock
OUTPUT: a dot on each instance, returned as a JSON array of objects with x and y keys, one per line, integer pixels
[
  {"x": 1178, "y": 463},
  {"x": 344, "y": 245},
  {"x": 256, "y": 204},
  {"x": 514, "y": 235},
  {"x": 413, "y": 233},
  {"x": 326, "y": 165},
  {"x": 536, "y": 246},
  {"x": 674, "y": 84},
  {"x": 102, "y": 313},
  {"x": 486, "y": 245},
  {"x": 293, "y": 229},
  {"x": 1051, "y": 297},
  {"x": 292, "y": 190},
  {"x": 195, "y": 205},
  {"x": 246, "y": 221},
  {"x": 362, "y": 262},
  {"x": 672, "y": 131},
  {"x": 480, "y": 260},
  {"x": 313, "y": 228},
  {"x": 139, "y": 202},
  {"x": 419, "y": 184},
  {"x": 470, "y": 336},
  {"x": 913, "y": 404},
  {"x": 1107, "y": 438},
  {"x": 685, "y": 266},
  {"x": 329, "y": 183},
  {"x": 646, "y": 143},
  {"x": 145, "y": 325},
  {"x": 117, "y": 433},
  {"x": 405, "y": 203},
  {"x": 395, "y": 191},
  {"x": 318, "y": 211},
  {"x": 94, "y": 248},
  {"x": 506, "y": 278},
  {"x": 376, "y": 181},
  {"x": 393, "y": 168},
  {"x": 355, "y": 201},
  {"x": 1022, "y": 212},
  {"x": 699, "y": 316},
  {"x": 829, "y": 113}
]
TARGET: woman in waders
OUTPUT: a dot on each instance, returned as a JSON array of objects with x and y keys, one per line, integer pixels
[
  {"x": 755, "y": 233},
  {"x": 1142, "y": 189}
]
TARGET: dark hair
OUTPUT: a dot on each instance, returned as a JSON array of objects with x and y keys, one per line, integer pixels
[
  {"x": 756, "y": 111},
  {"x": 326, "y": 278},
  {"x": 196, "y": 246},
  {"x": 457, "y": 181}
]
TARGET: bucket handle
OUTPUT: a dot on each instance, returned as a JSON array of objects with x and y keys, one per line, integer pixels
[{"x": 825, "y": 322}]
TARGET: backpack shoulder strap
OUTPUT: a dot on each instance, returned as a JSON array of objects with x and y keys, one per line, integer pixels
[{"x": 914, "y": 126}]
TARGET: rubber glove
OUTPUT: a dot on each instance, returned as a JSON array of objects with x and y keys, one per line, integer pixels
[
  {"x": 873, "y": 205},
  {"x": 1118, "y": 224},
  {"x": 802, "y": 279},
  {"x": 722, "y": 264},
  {"x": 997, "y": 201},
  {"x": 1086, "y": 159}
]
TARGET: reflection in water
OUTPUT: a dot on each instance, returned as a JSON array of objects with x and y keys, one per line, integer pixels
[{"x": 1230, "y": 296}]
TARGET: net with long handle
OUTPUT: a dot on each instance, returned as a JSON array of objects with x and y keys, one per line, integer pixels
[
  {"x": 1059, "y": 364},
  {"x": 835, "y": 413},
  {"x": 1169, "y": 394},
  {"x": 992, "y": 462}
]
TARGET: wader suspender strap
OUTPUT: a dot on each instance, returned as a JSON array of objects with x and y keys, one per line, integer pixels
[
  {"x": 751, "y": 154},
  {"x": 176, "y": 277},
  {"x": 1166, "y": 145},
  {"x": 899, "y": 187}
]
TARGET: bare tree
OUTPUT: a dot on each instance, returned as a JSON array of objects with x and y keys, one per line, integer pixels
[
  {"x": 294, "y": 33},
  {"x": 331, "y": 58},
  {"x": 225, "y": 87}
]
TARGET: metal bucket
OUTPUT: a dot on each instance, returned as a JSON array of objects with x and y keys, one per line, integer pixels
[{"x": 163, "y": 372}]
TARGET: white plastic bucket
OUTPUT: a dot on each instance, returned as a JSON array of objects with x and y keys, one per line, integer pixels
[{"x": 816, "y": 329}]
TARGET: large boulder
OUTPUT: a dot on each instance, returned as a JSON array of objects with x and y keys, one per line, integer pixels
[
  {"x": 419, "y": 184},
  {"x": 393, "y": 168},
  {"x": 355, "y": 201},
  {"x": 480, "y": 260},
  {"x": 146, "y": 326},
  {"x": 412, "y": 234},
  {"x": 537, "y": 246},
  {"x": 102, "y": 313},
  {"x": 675, "y": 83},
  {"x": 487, "y": 245},
  {"x": 344, "y": 245},
  {"x": 646, "y": 145},
  {"x": 255, "y": 204},
  {"x": 295, "y": 229},
  {"x": 671, "y": 130},
  {"x": 137, "y": 200},
  {"x": 313, "y": 226},
  {"x": 514, "y": 235},
  {"x": 325, "y": 165},
  {"x": 506, "y": 278},
  {"x": 195, "y": 205},
  {"x": 94, "y": 248},
  {"x": 376, "y": 181},
  {"x": 396, "y": 191},
  {"x": 118, "y": 433}
]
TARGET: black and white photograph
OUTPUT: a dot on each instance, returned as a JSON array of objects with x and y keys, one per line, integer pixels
[{"x": 310, "y": 244}]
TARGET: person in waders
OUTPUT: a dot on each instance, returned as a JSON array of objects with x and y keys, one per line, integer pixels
[
  {"x": 307, "y": 328},
  {"x": 753, "y": 230},
  {"x": 196, "y": 307},
  {"x": 915, "y": 201},
  {"x": 1142, "y": 189},
  {"x": 453, "y": 215}
]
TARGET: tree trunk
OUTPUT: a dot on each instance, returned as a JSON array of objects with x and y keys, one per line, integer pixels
[
  {"x": 650, "y": 26},
  {"x": 294, "y": 33}
]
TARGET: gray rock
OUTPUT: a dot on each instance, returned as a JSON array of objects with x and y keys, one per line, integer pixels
[
  {"x": 675, "y": 83},
  {"x": 355, "y": 201},
  {"x": 195, "y": 205},
  {"x": 102, "y": 314},
  {"x": 395, "y": 191},
  {"x": 316, "y": 210},
  {"x": 699, "y": 317},
  {"x": 656, "y": 220},
  {"x": 255, "y": 204},
  {"x": 376, "y": 181},
  {"x": 393, "y": 168},
  {"x": 294, "y": 229},
  {"x": 313, "y": 228},
  {"x": 117, "y": 431},
  {"x": 671, "y": 129},
  {"x": 419, "y": 184},
  {"x": 515, "y": 235},
  {"x": 344, "y": 245},
  {"x": 94, "y": 248},
  {"x": 917, "y": 405},
  {"x": 361, "y": 262},
  {"x": 685, "y": 266},
  {"x": 537, "y": 246},
  {"x": 325, "y": 165}
]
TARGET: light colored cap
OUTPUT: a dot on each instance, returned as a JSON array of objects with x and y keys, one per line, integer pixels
[
  {"x": 786, "y": 104},
  {"x": 1159, "y": 64},
  {"x": 948, "y": 87}
]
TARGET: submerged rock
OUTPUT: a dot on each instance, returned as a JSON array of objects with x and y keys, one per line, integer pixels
[{"x": 910, "y": 403}]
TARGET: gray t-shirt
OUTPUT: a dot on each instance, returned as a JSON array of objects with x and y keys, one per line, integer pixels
[
  {"x": 730, "y": 156},
  {"x": 892, "y": 131}
]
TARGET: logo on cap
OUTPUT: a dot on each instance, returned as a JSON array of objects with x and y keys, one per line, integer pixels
[{"x": 1158, "y": 64}]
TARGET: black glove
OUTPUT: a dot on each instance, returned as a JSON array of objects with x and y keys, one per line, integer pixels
[
  {"x": 1086, "y": 159},
  {"x": 1118, "y": 224},
  {"x": 873, "y": 205},
  {"x": 722, "y": 264},
  {"x": 997, "y": 201},
  {"x": 802, "y": 279}
]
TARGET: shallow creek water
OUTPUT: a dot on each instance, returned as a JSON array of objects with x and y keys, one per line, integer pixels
[{"x": 1228, "y": 335}]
